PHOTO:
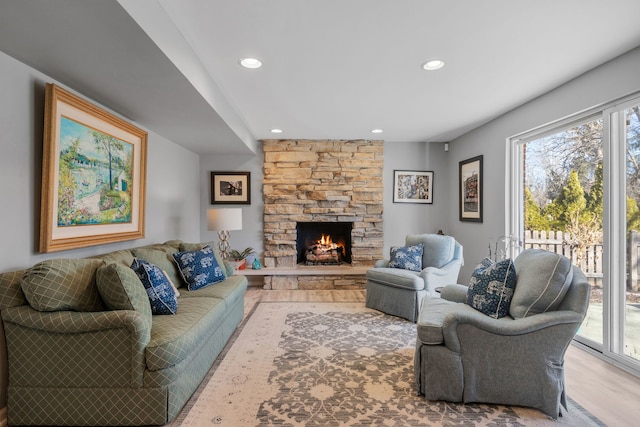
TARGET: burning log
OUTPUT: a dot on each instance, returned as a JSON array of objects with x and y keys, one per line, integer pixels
[{"x": 324, "y": 251}]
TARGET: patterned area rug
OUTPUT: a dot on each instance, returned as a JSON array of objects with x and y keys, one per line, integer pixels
[{"x": 333, "y": 364}]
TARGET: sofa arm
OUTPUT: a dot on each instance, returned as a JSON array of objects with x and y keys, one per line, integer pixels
[
  {"x": 381, "y": 263},
  {"x": 75, "y": 349},
  {"x": 455, "y": 293},
  {"x": 446, "y": 275},
  {"x": 505, "y": 326}
]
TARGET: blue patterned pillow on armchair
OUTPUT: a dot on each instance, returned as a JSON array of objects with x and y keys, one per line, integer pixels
[
  {"x": 406, "y": 257},
  {"x": 491, "y": 287}
]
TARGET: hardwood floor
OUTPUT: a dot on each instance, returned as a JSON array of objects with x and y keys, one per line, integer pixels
[{"x": 606, "y": 391}]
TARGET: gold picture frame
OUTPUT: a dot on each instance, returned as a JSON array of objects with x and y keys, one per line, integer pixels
[{"x": 93, "y": 175}]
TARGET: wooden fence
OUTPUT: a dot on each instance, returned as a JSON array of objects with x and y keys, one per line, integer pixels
[{"x": 590, "y": 261}]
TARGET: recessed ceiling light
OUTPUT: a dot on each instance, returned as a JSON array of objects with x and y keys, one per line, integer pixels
[
  {"x": 434, "y": 64},
  {"x": 376, "y": 131},
  {"x": 276, "y": 130},
  {"x": 250, "y": 63}
]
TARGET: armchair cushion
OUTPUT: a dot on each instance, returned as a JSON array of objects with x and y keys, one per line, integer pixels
[
  {"x": 491, "y": 287},
  {"x": 543, "y": 280},
  {"x": 406, "y": 257},
  {"x": 396, "y": 278},
  {"x": 430, "y": 321},
  {"x": 162, "y": 297},
  {"x": 63, "y": 284}
]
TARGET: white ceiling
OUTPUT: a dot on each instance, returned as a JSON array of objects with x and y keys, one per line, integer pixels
[{"x": 333, "y": 69}]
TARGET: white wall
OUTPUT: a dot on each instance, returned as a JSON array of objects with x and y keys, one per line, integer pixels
[
  {"x": 172, "y": 202},
  {"x": 610, "y": 81},
  {"x": 252, "y": 234},
  {"x": 401, "y": 219},
  {"x": 173, "y": 182}
]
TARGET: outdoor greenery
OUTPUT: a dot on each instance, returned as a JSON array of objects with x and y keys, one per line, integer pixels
[{"x": 564, "y": 181}]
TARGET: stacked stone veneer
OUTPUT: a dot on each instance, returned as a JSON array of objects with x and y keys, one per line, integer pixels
[{"x": 326, "y": 181}]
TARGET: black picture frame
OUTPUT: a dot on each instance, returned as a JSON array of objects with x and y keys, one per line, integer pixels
[
  {"x": 230, "y": 188},
  {"x": 412, "y": 186},
  {"x": 470, "y": 189}
]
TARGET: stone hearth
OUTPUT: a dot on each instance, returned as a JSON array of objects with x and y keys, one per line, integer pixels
[{"x": 321, "y": 181}]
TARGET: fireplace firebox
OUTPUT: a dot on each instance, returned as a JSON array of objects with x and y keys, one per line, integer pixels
[{"x": 323, "y": 243}]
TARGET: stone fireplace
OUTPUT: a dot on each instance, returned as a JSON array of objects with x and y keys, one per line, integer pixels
[{"x": 328, "y": 181}]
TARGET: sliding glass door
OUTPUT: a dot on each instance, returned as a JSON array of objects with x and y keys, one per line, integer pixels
[
  {"x": 574, "y": 188},
  {"x": 630, "y": 133},
  {"x": 563, "y": 184}
]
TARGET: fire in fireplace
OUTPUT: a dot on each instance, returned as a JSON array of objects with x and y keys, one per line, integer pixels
[{"x": 323, "y": 243}]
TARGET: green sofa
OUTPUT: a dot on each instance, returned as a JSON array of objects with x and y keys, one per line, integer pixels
[{"x": 83, "y": 362}]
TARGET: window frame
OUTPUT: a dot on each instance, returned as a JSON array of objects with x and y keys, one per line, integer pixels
[{"x": 614, "y": 216}]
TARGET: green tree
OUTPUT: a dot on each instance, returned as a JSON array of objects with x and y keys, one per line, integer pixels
[
  {"x": 633, "y": 215},
  {"x": 533, "y": 216},
  {"x": 67, "y": 185},
  {"x": 594, "y": 198},
  {"x": 111, "y": 146},
  {"x": 571, "y": 200}
]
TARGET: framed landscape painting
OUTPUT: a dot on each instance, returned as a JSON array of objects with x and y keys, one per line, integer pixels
[
  {"x": 412, "y": 186},
  {"x": 231, "y": 188},
  {"x": 93, "y": 175},
  {"x": 470, "y": 186}
]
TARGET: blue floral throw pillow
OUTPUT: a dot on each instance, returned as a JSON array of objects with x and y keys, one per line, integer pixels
[
  {"x": 491, "y": 287},
  {"x": 162, "y": 297},
  {"x": 406, "y": 257},
  {"x": 199, "y": 268}
]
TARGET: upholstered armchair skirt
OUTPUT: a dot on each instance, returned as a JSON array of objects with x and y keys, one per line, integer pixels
[{"x": 398, "y": 291}]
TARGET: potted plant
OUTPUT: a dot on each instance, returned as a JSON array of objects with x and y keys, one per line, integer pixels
[{"x": 238, "y": 259}]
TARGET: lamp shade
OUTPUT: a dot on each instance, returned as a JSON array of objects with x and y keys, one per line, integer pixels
[{"x": 224, "y": 219}]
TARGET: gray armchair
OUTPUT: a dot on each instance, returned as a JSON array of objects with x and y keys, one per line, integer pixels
[
  {"x": 463, "y": 355},
  {"x": 398, "y": 291}
]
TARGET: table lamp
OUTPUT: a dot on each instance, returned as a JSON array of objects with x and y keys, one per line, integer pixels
[{"x": 222, "y": 221}]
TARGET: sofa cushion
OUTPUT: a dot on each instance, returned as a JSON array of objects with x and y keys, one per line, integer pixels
[
  {"x": 63, "y": 284},
  {"x": 160, "y": 255},
  {"x": 199, "y": 268},
  {"x": 121, "y": 289},
  {"x": 161, "y": 295},
  {"x": 491, "y": 287},
  {"x": 543, "y": 279},
  {"x": 431, "y": 318},
  {"x": 230, "y": 290},
  {"x": 188, "y": 247},
  {"x": 174, "y": 338},
  {"x": 406, "y": 257},
  {"x": 438, "y": 249}
]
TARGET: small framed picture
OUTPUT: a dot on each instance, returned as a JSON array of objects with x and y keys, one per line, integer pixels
[
  {"x": 470, "y": 185},
  {"x": 230, "y": 188},
  {"x": 412, "y": 186}
]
